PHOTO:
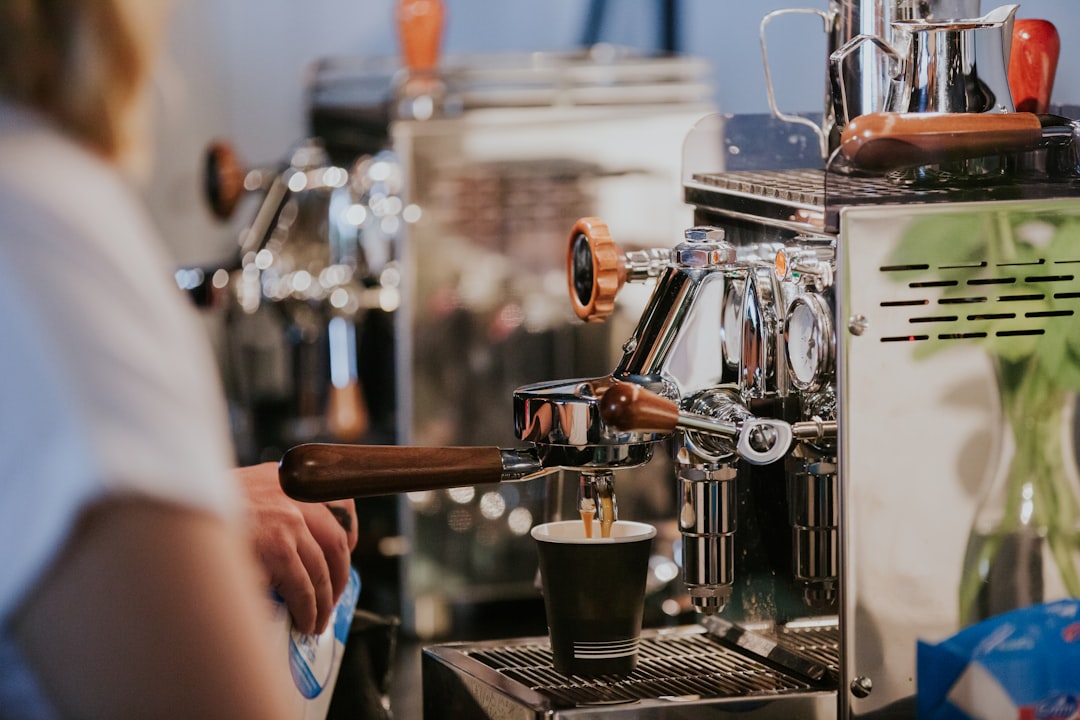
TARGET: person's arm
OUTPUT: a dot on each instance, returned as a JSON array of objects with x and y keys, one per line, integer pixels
[
  {"x": 153, "y": 611},
  {"x": 305, "y": 548}
]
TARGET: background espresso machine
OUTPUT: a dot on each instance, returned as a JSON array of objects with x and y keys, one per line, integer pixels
[
  {"x": 403, "y": 272},
  {"x": 514, "y": 149}
]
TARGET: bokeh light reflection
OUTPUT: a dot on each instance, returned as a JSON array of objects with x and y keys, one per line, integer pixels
[{"x": 520, "y": 521}]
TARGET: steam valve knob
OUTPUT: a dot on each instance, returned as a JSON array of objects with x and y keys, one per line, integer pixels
[
  {"x": 628, "y": 406},
  {"x": 595, "y": 269}
]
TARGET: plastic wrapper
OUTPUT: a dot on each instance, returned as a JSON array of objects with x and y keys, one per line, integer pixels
[
  {"x": 1021, "y": 665},
  {"x": 314, "y": 660}
]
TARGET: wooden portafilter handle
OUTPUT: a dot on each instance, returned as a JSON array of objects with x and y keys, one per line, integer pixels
[
  {"x": 627, "y": 406},
  {"x": 320, "y": 472}
]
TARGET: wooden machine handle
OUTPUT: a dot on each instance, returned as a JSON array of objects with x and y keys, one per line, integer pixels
[
  {"x": 318, "y": 472},
  {"x": 347, "y": 416},
  {"x": 420, "y": 28},
  {"x": 627, "y": 406},
  {"x": 886, "y": 141},
  {"x": 1033, "y": 63}
]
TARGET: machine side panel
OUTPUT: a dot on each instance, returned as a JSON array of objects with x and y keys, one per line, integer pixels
[{"x": 921, "y": 430}]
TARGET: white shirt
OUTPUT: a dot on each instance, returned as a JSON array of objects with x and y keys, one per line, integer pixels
[{"x": 107, "y": 382}]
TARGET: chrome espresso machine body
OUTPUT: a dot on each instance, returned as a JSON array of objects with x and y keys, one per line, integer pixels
[
  {"x": 851, "y": 366},
  {"x": 820, "y": 352},
  {"x": 842, "y": 364}
]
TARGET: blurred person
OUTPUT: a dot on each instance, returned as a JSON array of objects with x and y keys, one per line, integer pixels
[{"x": 129, "y": 587}]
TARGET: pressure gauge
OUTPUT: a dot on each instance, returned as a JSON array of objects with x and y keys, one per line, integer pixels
[
  {"x": 731, "y": 321},
  {"x": 808, "y": 337}
]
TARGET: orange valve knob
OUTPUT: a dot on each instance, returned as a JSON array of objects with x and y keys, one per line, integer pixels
[{"x": 595, "y": 269}]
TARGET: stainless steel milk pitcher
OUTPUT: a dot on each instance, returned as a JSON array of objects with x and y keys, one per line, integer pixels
[
  {"x": 865, "y": 74},
  {"x": 951, "y": 66}
]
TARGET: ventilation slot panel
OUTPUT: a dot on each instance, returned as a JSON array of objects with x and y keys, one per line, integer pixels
[{"x": 924, "y": 302}]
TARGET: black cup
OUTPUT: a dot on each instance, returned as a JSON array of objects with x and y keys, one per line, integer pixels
[{"x": 594, "y": 594}]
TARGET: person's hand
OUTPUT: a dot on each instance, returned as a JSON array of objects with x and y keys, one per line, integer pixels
[{"x": 304, "y": 547}]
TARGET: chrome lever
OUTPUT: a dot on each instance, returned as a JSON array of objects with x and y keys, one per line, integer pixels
[
  {"x": 764, "y": 440},
  {"x": 760, "y": 441}
]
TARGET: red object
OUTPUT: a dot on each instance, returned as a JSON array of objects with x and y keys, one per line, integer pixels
[
  {"x": 420, "y": 27},
  {"x": 1033, "y": 64}
]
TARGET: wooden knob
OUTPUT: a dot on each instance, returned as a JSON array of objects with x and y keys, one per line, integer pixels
[
  {"x": 320, "y": 472},
  {"x": 887, "y": 140},
  {"x": 626, "y": 406},
  {"x": 346, "y": 412},
  {"x": 420, "y": 26},
  {"x": 223, "y": 179},
  {"x": 594, "y": 268},
  {"x": 1033, "y": 64}
]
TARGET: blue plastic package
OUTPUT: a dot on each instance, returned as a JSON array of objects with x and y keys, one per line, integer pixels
[{"x": 1021, "y": 665}]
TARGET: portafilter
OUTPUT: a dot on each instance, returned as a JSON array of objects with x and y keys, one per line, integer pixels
[{"x": 560, "y": 419}]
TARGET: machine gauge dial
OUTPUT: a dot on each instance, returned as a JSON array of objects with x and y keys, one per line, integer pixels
[{"x": 810, "y": 343}]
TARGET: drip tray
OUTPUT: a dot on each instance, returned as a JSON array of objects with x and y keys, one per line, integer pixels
[{"x": 678, "y": 669}]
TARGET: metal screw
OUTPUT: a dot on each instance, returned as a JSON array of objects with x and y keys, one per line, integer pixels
[
  {"x": 704, "y": 233},
  {"x": 857, "y": 324},
  {"x": 861, "y": 686}
]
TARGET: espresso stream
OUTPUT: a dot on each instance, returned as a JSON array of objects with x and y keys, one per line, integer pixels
[
  {"x": 588, "y": 511},
  {"x": 607, "y": 515}
]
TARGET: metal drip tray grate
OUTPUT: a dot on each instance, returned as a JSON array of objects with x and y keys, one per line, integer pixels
[
  {"x": 811, "y": 198},
  {"x": 671, "y": 667},
  {"x": 820, "y": 643},
  {"x": 806, "y": 189},
  {"x": 684, "y": 665}
]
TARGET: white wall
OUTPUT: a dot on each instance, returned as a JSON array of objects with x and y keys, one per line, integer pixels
[{"x": 236, "y": 69}]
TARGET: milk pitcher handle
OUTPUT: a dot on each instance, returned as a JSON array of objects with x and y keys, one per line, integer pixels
[
  {"x": 840, "y": 56},
  {"x": 776, "y": 112}
]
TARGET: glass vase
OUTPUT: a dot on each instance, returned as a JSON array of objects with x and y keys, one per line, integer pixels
[{"x": 1024, "y": 546}]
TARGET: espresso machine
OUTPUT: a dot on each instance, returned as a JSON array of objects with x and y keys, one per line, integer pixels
[{"x": 821, "y": 358}]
